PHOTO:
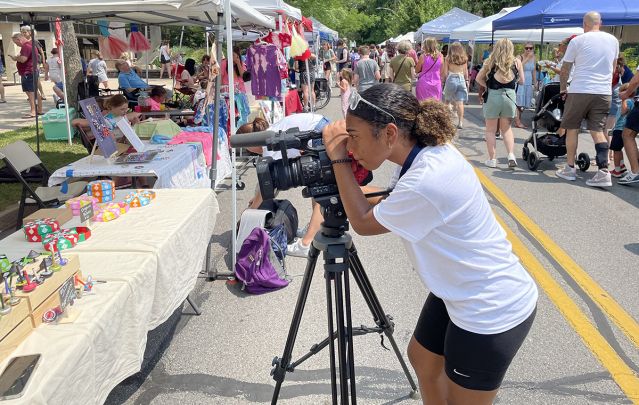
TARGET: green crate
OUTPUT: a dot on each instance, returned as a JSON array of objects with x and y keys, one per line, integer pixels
[{"x": 55, "y": 124}]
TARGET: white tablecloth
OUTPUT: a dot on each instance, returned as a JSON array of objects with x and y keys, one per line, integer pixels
[
  {"x": 176, "y": 166},
  {"x": 152, "y": 256}
]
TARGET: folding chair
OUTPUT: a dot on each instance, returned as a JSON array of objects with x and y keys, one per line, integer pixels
[
  {"x": 19, "y": 157},
  {"x": 182, "y": 96}
]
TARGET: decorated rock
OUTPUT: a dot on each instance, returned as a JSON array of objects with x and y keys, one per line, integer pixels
[
  {"x": 78, "y": 202},
  {"x": 139, "y": 198},
  {"x": 60, "y": 240},
  {"x": 105, "y": 213},
  {"x": 83, "y": 232},
  {"x": 102, "y": 190},
  {"x": 36, "y": 230},
  {"x": 122, "y": 207}
]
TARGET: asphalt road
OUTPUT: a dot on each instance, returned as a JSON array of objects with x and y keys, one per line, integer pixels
[{"x": 224, "y": 356}]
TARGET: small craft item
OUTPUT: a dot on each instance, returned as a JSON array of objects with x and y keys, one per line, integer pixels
[
  {"x": 104, "y": 214},
  {"x": 36, "y": 230},
  {"x": 84, "y": 233},
  {"x": 137, "y": 41},
  {"x": 102, "y": 190},
  {"x": 13, "y": 300},
  {"x": 45, "y": 271},
  {"x": 4, "y": 309},
  {"x": 51, "y": 315},
  {"x": 121, "y": 207},
  {"x": 5, "y": 264},
  {"x": 139, "y": 198},
  {"x": 28, "y": 285},
  {"x": 78, "y": 202},
  {"x": 59, "y": 259},
  {"x": 37, "y": 279},
  {"x": 87, "y": 285},
  {"x": 60, "y": 240}
]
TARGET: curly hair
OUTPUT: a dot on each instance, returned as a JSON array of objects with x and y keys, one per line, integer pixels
[
  {"x": 502, "y": 58},
  {"x": 428, "y": 123}
]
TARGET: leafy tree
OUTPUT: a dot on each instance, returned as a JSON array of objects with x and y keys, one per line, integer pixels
[
  {"x": 193, "y": 36},
  {"x": 487, "y": 7}
]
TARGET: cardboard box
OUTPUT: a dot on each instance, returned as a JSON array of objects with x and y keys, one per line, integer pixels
[
  {"x": 18, "y": 314},
  {"x": 62, "y": 215}
]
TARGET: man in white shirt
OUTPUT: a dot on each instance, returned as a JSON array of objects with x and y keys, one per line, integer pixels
[{"x": 594, "y": 56}]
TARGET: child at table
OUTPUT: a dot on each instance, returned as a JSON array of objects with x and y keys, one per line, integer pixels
[
  {"x": 157, "y": 98},
  {"x": 113, "y": 108}
]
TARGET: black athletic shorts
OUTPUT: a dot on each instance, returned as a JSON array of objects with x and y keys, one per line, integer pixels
[
  {"x": 473, "y": 361},
  {"x": 632, "y": 121}
]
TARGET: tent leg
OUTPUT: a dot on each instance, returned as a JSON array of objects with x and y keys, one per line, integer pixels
[{"x": 229, "y": 65}]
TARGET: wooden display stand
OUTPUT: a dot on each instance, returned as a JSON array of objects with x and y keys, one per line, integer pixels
[{"x": 27, "y": 315}]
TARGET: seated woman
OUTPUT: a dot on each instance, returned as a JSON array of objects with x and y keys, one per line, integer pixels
[{"x": 187, "y": 78}]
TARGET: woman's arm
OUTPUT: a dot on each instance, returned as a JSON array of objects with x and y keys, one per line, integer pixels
[
  {"x": 420, "y": 64},
  {"x": 520, "y": 69},
  {"x": 481, "y": 77},
  {"x": 444, "y": 70},
  {"x": 535, "y": 71}
]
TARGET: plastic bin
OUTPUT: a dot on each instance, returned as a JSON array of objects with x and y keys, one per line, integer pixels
[{"x": 54, "y": 123}]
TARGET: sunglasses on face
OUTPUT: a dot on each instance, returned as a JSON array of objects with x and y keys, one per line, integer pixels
[
  {"x": 355, "y": 99},
  {"x": 528, "y": 48}
]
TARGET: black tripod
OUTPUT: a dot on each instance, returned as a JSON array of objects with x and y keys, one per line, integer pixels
[{"x": 340, "y": 256}]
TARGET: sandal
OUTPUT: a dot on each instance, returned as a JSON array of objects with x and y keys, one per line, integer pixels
[{"x": 28, "y": 116}]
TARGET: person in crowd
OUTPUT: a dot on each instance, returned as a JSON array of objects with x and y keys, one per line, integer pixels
[
  {"x": 187, "y": 77},
  {"x": 327, "y": 57},
  {"x": 98, "y": 67},
  {"x": 373, "y": 54},
  {"x": 157, "y": 98},
  {"x": 387, "y": 57},
  {"x": 593, "y": 55},
  {"x": 341, "y": 55},
  {"x": 307, "y": 80},
  {"x": 499, "y": 76},
  {"x": 41, "y": 57},
  {"x": 411, "y": 53},
  {"x": 53, "y": 72},
  {"x": 630, "y": 133},
  {"x": 345, "y": 83},
  {"x": 128, "y": 80},
  {"x": 403, "y": 66},
  {"x": 239, "y": 68},
  {"x": 525, "y": 91},
  {"x": 481, "y": 302},
  {"x": 429, "y": 71},
  {"x": 620, "y": 73},
  {"x": 2, "y": 72},
  {"x": 127, "y": 58},
  {"x": 559, "y": 59},
  {"x": 204, "y": 69},
  {"x": 418, "y": 50},
  {"x": 445, "y": 50},
  {"x": 165, "y": 59},
  {"x": 354, "y": 57},
  {"x": 455, "y": 70},
  {"x": 367, "y": 72},
  {"x": 616, "y": 143},
  {"x": 27, "y": 69}
]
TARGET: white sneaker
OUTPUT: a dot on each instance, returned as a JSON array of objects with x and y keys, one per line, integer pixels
[
  {"x": 298, "y": 249},
  {"x": 629, "y": 178},
  {"x": 600, "y": 179},
  {"x": 512, "y": 161},
  {"x": 491, "y": 163},
  {"x": 567, "y": 173},
  {"x": 301, "y": 231}
]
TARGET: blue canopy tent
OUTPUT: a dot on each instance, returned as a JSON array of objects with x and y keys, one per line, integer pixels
[
  {"x": 568, "y": 13},
  {"x": 442, "y": 26}
]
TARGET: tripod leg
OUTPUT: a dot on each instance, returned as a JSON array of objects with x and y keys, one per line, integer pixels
[
  {"x": 349, "y": 332},
  {"x": 341, "y": 338},
  {"x": 375, "y": 306},
  {"x": 281, "y": 364},
  {"x": 331, "y": 342}
]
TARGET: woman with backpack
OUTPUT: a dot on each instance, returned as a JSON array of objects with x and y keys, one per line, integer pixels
[
  {"x": 481, "y": 301},
  {"x": 500, "y": 75}
]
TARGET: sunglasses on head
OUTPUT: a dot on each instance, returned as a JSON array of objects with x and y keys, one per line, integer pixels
[{"x": 355, "y": 99}]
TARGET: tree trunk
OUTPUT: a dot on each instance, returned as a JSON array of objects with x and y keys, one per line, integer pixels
[{"x": 72, "y": 62}]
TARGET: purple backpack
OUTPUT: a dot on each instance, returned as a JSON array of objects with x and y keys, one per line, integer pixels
[{"x": 255, "y": 265}]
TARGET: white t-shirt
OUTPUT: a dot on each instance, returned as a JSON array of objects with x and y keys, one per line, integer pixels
[
  {"x": 99, "y": 68},
  {"x": 165, "y": 52},
  {"x": 303, "y": 121},
  {"x": 593, "y": 55},
  {"x": 453, "y": 240},
  {"x": 55, "y": 69}
]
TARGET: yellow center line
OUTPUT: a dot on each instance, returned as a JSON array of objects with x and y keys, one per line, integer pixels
[
  {"x": 626, "y": 323},
  {"x": 620, "y": 372}
]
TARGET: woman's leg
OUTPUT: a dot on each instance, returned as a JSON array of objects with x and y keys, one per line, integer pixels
[
  {"x": 305, "y": 96},
  {"x": 507, "y": 133},
  {"x": 491, "y": 128},
  {"x": 518, "y": 122},
  {"x": 429, "y": 368},
  {"x": 1, "y": 89},
  {"x": 458, "y": 395},
  {"x": 460, "y": 112}
]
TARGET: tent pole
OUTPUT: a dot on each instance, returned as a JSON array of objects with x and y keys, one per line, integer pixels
[
  {"x": 230, "y": 73},
  {"x": 146, "y": 54},
  {"x": 216, "y": 105},
  {"x": 541, "y": 49},
  {"x": 64, "y": 89}
]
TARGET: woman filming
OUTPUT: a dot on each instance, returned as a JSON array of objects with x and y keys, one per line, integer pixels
[{"x": 482, "y": 302}]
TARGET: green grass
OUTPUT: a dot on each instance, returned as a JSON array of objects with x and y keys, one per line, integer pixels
[{"x": 54, "y": 154}]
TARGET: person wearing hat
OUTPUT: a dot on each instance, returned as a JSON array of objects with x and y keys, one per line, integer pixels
[{"x": 556, "y": 67}]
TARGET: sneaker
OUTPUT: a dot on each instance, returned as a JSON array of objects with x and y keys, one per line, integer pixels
[
  {"x": 491, "y": 163},
  {"x": 629, "y": 178},
  {"x": 601, "y": 179},
  {"x": 512, "y": 161},
  {"x": 567, "y": 173},
  {"x": 619, "y": 173},
  {"x": 301, "y": 231},
  {"x": 460, "y": 126},
  {"x": 498, "y": 135},
  {"x": 298, "y": 249}
]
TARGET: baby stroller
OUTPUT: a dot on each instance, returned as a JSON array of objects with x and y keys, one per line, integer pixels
[{"x": 548, "y": 112}]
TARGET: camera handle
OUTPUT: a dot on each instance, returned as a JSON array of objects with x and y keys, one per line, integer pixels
[{"x": 340, "y": 259}]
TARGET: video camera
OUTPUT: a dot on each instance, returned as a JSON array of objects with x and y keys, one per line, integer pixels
[{"x": 313, "y": 169}]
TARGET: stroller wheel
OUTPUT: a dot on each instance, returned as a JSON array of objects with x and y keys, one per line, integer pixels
[
  {"x": 551, "y": 158},
  {"x": 525, "y": 152},
  {"x": 583, "y": 161},
  {"x": 240, "y": 185},
  {"x": 533, "y": 161}
]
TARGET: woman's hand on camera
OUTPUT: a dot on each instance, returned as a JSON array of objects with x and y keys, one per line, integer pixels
[{"x": 335, "y": 137}]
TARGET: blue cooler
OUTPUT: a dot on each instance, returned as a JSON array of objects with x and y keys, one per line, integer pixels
[{"x": 55, "y": 124}]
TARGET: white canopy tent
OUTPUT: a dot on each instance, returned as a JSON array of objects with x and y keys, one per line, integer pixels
[
  {"x": 276, "y": 7},
  {"x": 237, "y": 14},
  {"x": 482, "y": 31},
  {"x": 410, "y": 36}
]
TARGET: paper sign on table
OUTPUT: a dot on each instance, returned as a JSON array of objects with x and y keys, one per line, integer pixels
[
  {"x": 103, "y": 136},
  {"x": 130, "y": 134}
]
